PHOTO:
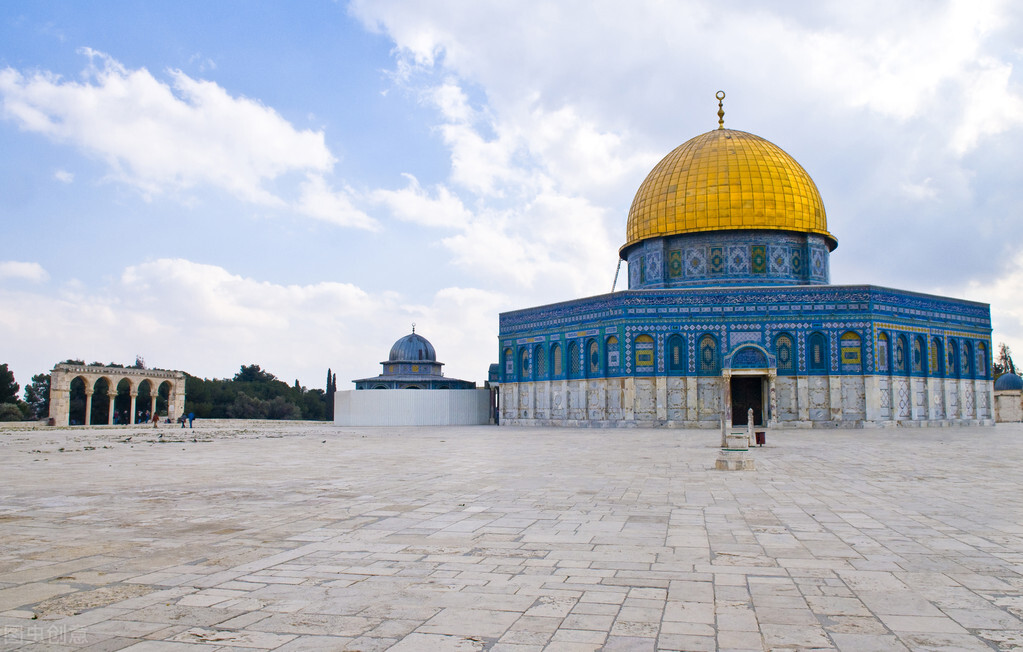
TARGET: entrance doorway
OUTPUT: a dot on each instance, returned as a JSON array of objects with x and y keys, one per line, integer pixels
[{"x": 747, "y": 392}]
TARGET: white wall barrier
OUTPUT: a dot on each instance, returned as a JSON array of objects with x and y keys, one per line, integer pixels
[{"x": 412, "y": 407}]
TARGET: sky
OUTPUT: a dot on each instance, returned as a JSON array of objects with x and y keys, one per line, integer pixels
[{"x": 211, "y": 185}]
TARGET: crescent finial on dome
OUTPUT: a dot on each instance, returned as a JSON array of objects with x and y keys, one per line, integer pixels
[{"x": 721, "y": 109}]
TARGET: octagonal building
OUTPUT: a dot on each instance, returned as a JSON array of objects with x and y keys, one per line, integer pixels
[
  {"x": 412, "y": 364},
  {"x": 730, "y": 308}
]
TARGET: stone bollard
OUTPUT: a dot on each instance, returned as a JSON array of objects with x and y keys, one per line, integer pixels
[{"x": 735, "y": 455}]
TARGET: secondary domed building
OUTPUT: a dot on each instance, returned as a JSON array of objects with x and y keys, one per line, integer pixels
[
  {"x": 730, "y": 308},
  {"x": 412, "y": 364},
  {"x": 1008, "y": 398}
]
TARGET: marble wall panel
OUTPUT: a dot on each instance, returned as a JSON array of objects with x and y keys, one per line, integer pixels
[
  {"x": 788, "y": 407},
  {"x": 708, "y": 392},
  {"x": 820, "y": 401},
  {"x": 854, "y": 400},
  {"x": 576, "y": 407},
  {"x": 595, "y": 409},
  {"x": 905, "y": 403},
  {"x": 646, "y": 400},
  {"x": 542, "y": 400},
  {"x": 614, "y": 400}
]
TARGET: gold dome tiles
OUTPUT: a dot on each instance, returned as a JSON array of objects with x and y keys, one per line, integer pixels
[{"x": 726, "y": 180}]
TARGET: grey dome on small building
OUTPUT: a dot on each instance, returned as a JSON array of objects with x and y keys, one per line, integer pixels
[
  {"x": 412, "y": 364},
  {"x": 1008, "y": 383},
  {"x": 412, "y": 348}
]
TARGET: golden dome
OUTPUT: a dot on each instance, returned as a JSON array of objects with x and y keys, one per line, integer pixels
[{"x": 726, "y": 180}]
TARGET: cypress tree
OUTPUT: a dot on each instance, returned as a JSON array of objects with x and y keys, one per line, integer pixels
[{"x": 329, "y": 397}]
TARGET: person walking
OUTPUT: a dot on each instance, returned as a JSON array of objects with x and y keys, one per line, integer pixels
[{"x": 156, "y": 418}]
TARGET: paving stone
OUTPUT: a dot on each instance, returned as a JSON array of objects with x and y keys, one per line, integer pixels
[
  {"x": 868, "y": 643},
  {"x": 515, "y": 540}
]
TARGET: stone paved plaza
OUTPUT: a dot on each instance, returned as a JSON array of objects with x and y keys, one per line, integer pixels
[{"x": 260, "y": 536}]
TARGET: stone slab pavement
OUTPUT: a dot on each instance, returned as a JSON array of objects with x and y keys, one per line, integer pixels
[{"x": 304, "y": 536}]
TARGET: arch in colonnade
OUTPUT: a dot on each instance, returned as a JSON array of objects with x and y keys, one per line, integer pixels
[{"x": 112, "y": 394}]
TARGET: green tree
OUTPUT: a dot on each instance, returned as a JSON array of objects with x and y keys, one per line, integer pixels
[
  {"x": 252, "y": 394},
  {"x": 1004, "y": 364},
  {"x": 253, "y": 374},
  {"x": 10, "y": 412},
  {"x": 8, "y": 388},
  {"x": 279, "y": 408},
  {"x": 247, "y": 407},
  {"x": 37, "y": 396}
]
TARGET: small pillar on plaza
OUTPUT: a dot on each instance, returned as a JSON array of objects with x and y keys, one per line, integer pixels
[{"x": 734, "y": 455}]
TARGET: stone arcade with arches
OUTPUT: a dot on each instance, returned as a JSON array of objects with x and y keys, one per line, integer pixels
[
  {"x": 103, "y": 386},
  {"x": 730, "y": 308}
]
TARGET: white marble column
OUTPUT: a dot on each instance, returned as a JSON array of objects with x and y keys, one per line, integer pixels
[
  {"x": 726, "y": 395},
  {"x": 835, "y": 398},
  {"x": 661, "y": 398},
  {"x": 88, "y": 406},
  {"x": 872, "y": 397},
  {"x": 629, "y": 399}
]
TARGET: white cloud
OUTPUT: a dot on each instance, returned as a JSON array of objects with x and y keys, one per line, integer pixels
[
  {"x": 320, "y": 201},
  {"x": 923, "y": 190},
  {"x": 991, "y": 107},
  {"x": 64, "y": 176},
  {"x": 188, "y": 133},
  {"x": 207, "y": 321},
  {"x": 32, "y": 272},
  {"x": 571, "y": 103},
  {"x": 414, "y": 204},
  {"x": 1003, "y": 294}
]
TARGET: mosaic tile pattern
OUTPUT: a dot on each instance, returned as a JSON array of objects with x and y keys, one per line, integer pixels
[
  {"x": 728, "y": 258},
  {"x": 756, "y": 315}
]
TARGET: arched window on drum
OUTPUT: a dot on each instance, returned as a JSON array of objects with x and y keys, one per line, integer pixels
[
  {"x": 883, "y": 363},
  {"x": 592, "y": 359},
  {"x": 709, "y": 356},
  {"x": 784, "y": 352},
  {"x": 643, "y": 347},
  {"x": 851, "y": 353},
  {"x": 937, "y": 358},
  {"x": 952, "y": 367},
  {"x": 966, "y": 366},
  {"x": 918, "y": 355},
  {"x": 556, "y": 367},
  {"x": 612, "y": 355},
  {"x": 574, "y": 366},
  {"x": 901, "y": 356},
  {"x": 540, "y": 362},
  {"x": 676, "y": 355},
  {"x": 509, "y": 365},
  {"x": 817, "y": 353}
]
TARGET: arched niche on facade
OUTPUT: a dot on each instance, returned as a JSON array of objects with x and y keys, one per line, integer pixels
[
  {"x": 110, "y": 392},
  {"x": 750, "y": 372},
  {"x": 750, "y": 357}
]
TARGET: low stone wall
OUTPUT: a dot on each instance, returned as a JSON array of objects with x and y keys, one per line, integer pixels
[{"x": 412, "y": 407}]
